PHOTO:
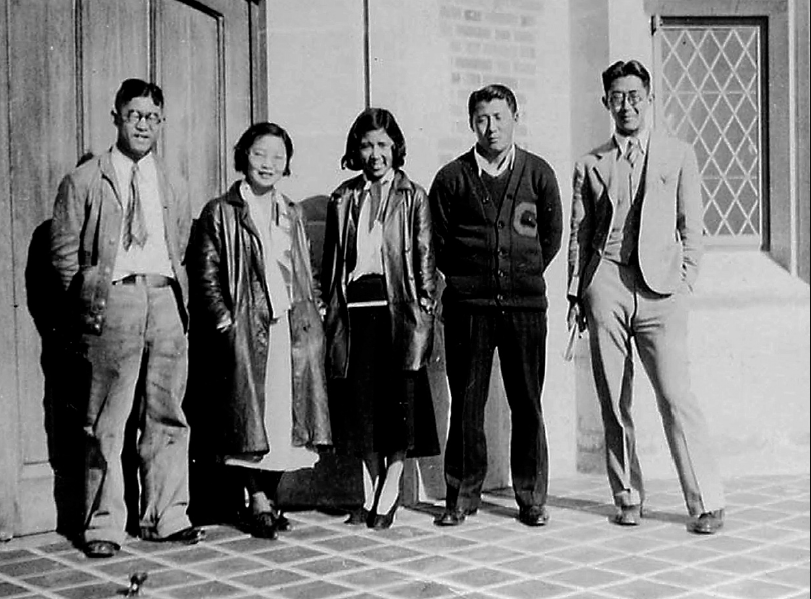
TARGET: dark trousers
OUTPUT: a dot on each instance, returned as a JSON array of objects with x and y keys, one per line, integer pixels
[
  {"x": 138, "y": 362},
  {"x": 471, "y": 337}
]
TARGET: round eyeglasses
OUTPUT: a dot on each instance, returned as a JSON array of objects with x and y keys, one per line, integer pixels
[
  {"x": 133, "y": 117},
  {"x": 617, "y": 99}
]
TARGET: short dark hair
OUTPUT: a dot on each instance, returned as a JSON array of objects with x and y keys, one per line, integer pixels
[
  {"x": 373, "y": 119},
  {"x": 253, "y": 133},
  {"x": 137, "y": 88},
  {"x": 494, "y": 91},
  {"x": 626, "y": 69}
]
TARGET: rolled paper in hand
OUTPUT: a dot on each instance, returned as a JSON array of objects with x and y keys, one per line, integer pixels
[{"x": 568, "y": 353}]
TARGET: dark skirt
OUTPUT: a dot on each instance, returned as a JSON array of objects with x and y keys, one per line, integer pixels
[{"x": 379, "y": 407}]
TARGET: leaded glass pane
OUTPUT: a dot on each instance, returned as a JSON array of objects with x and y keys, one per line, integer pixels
[{"x": 711, "y": 98}]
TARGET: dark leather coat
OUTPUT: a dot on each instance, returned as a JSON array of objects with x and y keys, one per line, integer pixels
[
  {"x": 231, "y": 316},
  {"x": 408, "y": 265}
]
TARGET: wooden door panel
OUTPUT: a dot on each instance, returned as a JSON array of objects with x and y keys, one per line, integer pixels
[
  {"x": 204, "y": 67},
  {"x": 192, "y": 83},
  {"x": 42, "y": 115},
  {"x": 56, "y": 100},
  {"x": 44, "y": 133},
  {"x": 114, "y": 46}
]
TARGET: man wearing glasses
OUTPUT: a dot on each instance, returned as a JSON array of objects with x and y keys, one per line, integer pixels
[
  {"x": 634, "y": 251},
  {"x": 118, "y": 237}
]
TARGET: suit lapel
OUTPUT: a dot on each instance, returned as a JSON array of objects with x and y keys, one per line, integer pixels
[
  {"x": 605, "y": 168},
  {"x": 655, "y": 160}
]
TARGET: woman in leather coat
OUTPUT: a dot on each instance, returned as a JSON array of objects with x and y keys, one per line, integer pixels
[
  {"x": 379, "y": 281},
  {"x": 253, "y": 292}
]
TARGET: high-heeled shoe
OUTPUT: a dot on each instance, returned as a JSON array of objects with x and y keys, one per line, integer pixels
[
  {"x": 382, "y": 522},
  {"x": 280, "y": 521},
  {"x": 359, "y": 516},
  {"x": 262, "y": 526}
]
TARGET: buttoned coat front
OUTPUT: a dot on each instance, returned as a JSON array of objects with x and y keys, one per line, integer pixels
[{"x": 669, "y": 245}]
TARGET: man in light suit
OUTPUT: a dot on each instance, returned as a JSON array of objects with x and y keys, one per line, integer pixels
[{"x": 634, "y": 252}]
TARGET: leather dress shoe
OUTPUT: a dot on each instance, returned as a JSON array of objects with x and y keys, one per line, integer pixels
[
  {"x": 262, "y": 526},
  {"x": 707, "y": 523},
  {"x": 454, "y": 516},
  {"x": 627, "y": 515},
  {"x": 282, "y": 523},
  {"x": 384, "y": 521},
  {"x": 101, "y": 549},
  {"x": 535, "y": 515},
  {"x": 358, "y": 517},
  {"x": 190, "y": 535}
]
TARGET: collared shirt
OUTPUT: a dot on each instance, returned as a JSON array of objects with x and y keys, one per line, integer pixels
[
  {"x": 153, "y": 258},
  {"x": 622, "y": 239},
  {"x": 494, "y": 170},
  {"x": 369, "y": 240},
  {"x": 621, "y": 142}
]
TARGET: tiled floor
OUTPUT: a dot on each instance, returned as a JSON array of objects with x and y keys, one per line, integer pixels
[{"x": 762, "y": 553}]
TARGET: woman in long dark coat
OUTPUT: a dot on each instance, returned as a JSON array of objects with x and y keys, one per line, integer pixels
[
  {"x": 379, "y": 282},
  {"x": 253, "y": 290}
]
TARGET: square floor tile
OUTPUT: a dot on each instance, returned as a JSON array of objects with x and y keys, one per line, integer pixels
[
  {"x": 312, "y": 590},
  {"x": 371, "y": 579},
  {"x": 753, "y": 589},
  {"x": 170, "y": 578},
  {"x": 62, "y": 578},
  {"x": 29, "y": 567},
  {"x": 210, "y": 590},
  {"x": 643, "y": 589},
  {"x": 532, "y": 589},
  {"x": 268, "y": 578},
  {"x": 8, "y": 589},
  {"x": 331, "y": 565},
  {"x": 585, "y": 577},
  {"x": 388, "y": 553}
]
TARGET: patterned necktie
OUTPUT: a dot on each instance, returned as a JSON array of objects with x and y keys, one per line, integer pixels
[
  {"x": 375, "y": 196},
  {"x": 134, "y": 221},
  {"x": 633, "y": 152}
]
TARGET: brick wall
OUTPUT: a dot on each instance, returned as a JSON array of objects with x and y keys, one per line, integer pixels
[{"x": 489, "y": 41}]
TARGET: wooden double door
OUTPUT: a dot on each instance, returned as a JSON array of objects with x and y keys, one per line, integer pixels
[{"x": 65, "y": 62}]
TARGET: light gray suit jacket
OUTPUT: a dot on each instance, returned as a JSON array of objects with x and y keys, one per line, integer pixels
[{"x": 671, "y": 220}]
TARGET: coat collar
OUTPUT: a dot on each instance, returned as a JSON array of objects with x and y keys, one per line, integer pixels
[
  {"x": 107, "y": 170},
  {"x": 606, "y": 156}
]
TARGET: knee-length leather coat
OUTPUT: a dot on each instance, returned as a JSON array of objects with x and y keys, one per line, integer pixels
[
  {"x": 231, "y": 312},
  {"x": 408, "y": 266}
]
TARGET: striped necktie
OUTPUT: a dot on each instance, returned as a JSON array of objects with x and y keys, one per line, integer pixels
[
  {"x": 134, "y": 220},
  {"x": 375, "y": 197}
]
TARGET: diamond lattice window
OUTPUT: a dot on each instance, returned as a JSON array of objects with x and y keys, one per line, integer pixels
[{"x": 710, "y": 92}]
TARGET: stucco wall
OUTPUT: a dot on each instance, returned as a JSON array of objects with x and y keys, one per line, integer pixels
[{"x": 425, "y": 57}]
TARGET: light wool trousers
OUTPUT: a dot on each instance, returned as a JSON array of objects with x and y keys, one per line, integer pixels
[
  {"x": 620, "y": 308},
  {"x": 139, "y": 362}
]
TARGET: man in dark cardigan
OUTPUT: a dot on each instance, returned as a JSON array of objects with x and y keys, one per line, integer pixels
[{"x": 497, "y": 225}]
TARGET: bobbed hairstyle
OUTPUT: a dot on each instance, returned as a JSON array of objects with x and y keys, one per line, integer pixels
[
  {"x": 137, "y": 88},
  {"x": 626, "y": 69},
  {"x": 494, "y": 91},
  {"x": 253, "y": 133},
  {"x": 373, "y": 119}
]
